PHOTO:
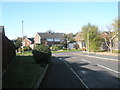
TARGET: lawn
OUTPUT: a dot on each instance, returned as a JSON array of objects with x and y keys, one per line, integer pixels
[
  {"x": 30, "y": 54},
  {"x": 22, "y": 72}
]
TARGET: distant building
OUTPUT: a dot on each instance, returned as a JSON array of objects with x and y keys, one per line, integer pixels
[
  {"x": 49, "y": 38},
  {"x": 71, "y": 45},
  {"x": 28, "y": 42},
  {"x": 80, "y": 40}
]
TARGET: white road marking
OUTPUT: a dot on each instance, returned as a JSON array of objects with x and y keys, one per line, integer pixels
[
  {"x": 65, "y": 55},
  {"x": 75, "y": 74},
  {"x": 108, "y": 68},
  {"x": 60, "y": 58},
  {"x": 86, "y": 60},
  {"x": 84, "y": 72},
  {"x": 53, "y": 54},
  {"x": 74, "y": 57}
]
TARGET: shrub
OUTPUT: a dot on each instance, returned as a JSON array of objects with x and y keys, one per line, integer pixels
[
  {"x": 27, "y": 48},
  {"x": 41, "y": 53},
  {"x": 64, "y": 48},
  {"x": 83, "y": 49}
]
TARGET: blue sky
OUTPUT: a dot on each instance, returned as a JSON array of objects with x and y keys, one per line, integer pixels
[{"x": 65, "y": 17}]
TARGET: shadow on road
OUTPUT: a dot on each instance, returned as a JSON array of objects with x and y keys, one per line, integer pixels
[{"x": 94, "y": 78}]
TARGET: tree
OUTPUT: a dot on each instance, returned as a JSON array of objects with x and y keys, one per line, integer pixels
[
  {"x": 92, "y": 35},
  {"x": 18, "y": 42},
  {"x": 112, "y": 34},
  {"x": 116, "y": 24},
  {"x": 50, "y": 31},
  {"x": 41, "y": 53},
  {"x": 27, "y": 48},
  {"x": 70, "y": 37}
]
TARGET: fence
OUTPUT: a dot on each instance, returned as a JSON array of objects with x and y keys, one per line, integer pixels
[{"x": 8, "y": 52}]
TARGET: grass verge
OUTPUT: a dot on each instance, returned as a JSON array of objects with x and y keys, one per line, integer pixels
[
  {"x": 25, "y": 53},
  {"x": 23, "y": 72},
  {"x": 66, "y": 50}
]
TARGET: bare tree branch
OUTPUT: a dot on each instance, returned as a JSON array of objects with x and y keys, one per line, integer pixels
[
  {"x": 106, "y": 43},
  {"x": 114, "y": 35}
]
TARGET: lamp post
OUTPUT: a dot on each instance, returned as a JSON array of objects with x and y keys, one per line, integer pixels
[
  {"x": 88, "y": 41},
  {"x": 67, "y": 43},
  {"x": 22, "y": 37}
]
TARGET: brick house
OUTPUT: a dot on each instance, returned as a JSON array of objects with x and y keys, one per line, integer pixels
[
  {"x": 49, "y": 38},
  {"x": 28, "y": 42}
]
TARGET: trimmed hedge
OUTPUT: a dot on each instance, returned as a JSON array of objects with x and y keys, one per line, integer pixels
[{"x": 41, "y": 53}]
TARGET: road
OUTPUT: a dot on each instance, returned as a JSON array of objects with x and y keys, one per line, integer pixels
[{"x": 94, "y": 72}]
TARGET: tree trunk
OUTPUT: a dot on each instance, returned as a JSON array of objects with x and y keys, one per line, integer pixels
[{"x": 110, "y": 46}]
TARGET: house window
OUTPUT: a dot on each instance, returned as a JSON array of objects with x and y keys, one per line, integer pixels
[
  {"x": 49, "y": 39},
  {"x": 57, "y": 40}
]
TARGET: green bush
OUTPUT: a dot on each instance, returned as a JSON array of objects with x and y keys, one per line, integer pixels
[
  {"x": 64, "y": 48},
  {"x": 27, "y": 48},
  {"x": 41, "y": 53}
]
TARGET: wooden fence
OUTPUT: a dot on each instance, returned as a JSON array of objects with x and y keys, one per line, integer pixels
[{"x": 8, "y": 52}]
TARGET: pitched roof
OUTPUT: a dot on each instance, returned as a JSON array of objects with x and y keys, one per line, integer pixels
[
  {"x": 30, "y": 39},
  {"x": 79, "y": 36},
  {"x": 52, "y": 35}
]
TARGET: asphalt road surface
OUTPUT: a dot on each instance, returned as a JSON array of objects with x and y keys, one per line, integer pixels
[{"x": 94, "y": 72}]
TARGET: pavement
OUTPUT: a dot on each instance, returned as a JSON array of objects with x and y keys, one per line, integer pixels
[
  {"x": 102, "y": 55},
  {"x": 59, "y": 75}
]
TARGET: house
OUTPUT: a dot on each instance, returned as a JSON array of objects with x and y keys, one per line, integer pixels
[
  {"x": 28, "y": 42},
  {"x": 49, "y": 38},
  {"x": 80, "y": 40}
]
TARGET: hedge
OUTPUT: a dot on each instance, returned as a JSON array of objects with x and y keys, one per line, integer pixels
[{"x": 41, "y": 53}]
